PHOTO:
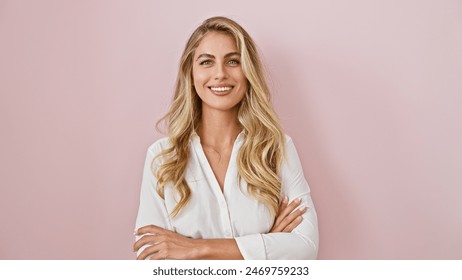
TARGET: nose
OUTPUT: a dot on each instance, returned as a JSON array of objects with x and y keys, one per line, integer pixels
[{"x": 220, "y": 72}]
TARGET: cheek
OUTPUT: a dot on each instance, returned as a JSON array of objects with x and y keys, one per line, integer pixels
[
  {"x": 199, "y": 77},
  {"x": 243, "y": 90},
  {"x": 243, "y": 83},
  {"x": 239, "y": 76}
]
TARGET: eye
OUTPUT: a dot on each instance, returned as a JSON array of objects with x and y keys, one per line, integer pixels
[
  {"x": 205, "y": 62},
  {"x": 234, "y": 62}
]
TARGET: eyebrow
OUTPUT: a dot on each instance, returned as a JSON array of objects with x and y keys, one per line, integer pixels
[{"x": 212, "y": 56}]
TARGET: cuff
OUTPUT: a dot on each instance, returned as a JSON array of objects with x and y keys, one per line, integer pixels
[{"x": 251, "y": 247}]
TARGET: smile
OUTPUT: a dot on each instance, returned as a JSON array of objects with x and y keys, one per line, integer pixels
[{"x": 221, "y": 89}]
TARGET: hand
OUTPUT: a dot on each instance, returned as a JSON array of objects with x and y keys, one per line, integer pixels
[
  {"x": 288, "y": 219},
  {"x": 164, "y": 244}
]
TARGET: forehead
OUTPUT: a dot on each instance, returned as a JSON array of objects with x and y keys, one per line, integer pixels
[{"x": 217, "y": 44}]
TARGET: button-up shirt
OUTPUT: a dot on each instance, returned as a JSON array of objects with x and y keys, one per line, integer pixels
[{"x": 233, "y": 212}]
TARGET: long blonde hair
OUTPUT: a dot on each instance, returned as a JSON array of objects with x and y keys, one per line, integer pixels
[{"x": 262, "y": 151}]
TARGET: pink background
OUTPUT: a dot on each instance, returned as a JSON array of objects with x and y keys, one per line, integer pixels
[{"x": 370, "y": 91}]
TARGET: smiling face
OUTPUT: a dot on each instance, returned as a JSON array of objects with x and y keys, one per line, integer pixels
[{"x": 217, "y": 73}]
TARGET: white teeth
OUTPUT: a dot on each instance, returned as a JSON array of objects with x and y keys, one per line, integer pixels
[{"x": 221, "y": 88}]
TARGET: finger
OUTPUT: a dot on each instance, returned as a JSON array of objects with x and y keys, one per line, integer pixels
[
  {"x": 293, "y": 224},
  {"x": 141, "y": 242},
  {"x": 292, "y": 216},
  {"x": 147, "y": 239},
  {"x": 156, "y": 250},
  {"x": 294, "y": 204},
  {"x": 282, "y": 207},
  {"x": 283, "y": 204},
  {"x": 149, "y": 229},
  {"x": 276, "y": 228},
  {"x": 286, "y": 211},
  {"x": 144, "y": 253},
  {"x": 151, "y": 252}
]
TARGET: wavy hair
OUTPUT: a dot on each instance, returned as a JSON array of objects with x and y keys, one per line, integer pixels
[{"x": 262, "y": 151}]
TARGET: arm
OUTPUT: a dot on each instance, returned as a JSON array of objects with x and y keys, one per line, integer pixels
[
  {"x": 160, "y": 243},
  {"x": 153, "y": 226},
  {"x": 288, "y": 218},
  {"x": 151, "y": 209},
  {"x": 156, "y": 239},
  {"x": 166, "y": 244},
  {"x": 302, "y": 242}
]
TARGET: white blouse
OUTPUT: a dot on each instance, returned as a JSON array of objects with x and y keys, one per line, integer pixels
[{"x": 231, "y": 213}]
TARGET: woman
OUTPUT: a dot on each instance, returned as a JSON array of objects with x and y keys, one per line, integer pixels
[{"x": 219, "y": 186}]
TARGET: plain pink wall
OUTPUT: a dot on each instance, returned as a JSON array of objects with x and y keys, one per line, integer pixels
[{"x": 370, "y": 91}]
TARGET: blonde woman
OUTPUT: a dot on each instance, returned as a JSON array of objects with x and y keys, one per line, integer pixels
[{"x": 226, "y": 183}]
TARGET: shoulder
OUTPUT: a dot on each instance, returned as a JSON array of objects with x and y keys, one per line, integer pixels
[
  {"x": 291, "y": 165},
  {"x": 290, "y": 149},
  {"x": 288, "y": 142},
  {"x": 159, "y": 146},
  {"x": 287, "y": 138}
]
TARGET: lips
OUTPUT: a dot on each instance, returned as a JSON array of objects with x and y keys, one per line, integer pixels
[{"x": 221, "y": 90}]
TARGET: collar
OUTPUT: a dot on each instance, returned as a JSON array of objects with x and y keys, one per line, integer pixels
[{"x": 240, "y": 137}]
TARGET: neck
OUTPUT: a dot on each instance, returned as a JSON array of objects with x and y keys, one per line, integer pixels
[{"x": 219, "y": 128}]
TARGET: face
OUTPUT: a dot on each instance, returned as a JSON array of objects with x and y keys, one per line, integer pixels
[{"x": 217, "y": 73}]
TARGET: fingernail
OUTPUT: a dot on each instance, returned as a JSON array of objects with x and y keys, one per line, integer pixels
[
  {"x": 299, "y": 218},
  {"x": 285, "y": 199},
  {"x": 299, "y": 200},
  {"x": 302, "y": 208},
  {"x": 134, "y": 232}
]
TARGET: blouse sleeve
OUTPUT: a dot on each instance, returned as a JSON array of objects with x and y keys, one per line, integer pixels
[
  {"x": 302, "y": 242},
  {"x": 152, "y": 210}
]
